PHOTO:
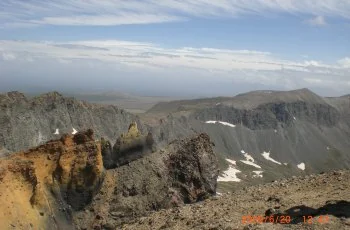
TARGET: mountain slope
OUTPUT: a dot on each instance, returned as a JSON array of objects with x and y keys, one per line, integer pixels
[
  {"x": 25, "y": 123},
  {"x": 282, "y": 133}
]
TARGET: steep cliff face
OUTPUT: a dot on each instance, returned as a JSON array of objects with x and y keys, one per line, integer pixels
[
  {"x": 42, "y": 187},
  {"x": 63, "y": 184},
  {"x": 25, "y": 122},
  {"x": 184, "y": 172},
  {"x": 272, "y": 115}
]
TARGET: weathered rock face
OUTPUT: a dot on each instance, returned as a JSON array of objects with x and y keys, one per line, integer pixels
[
  {"x": 193, "y": 168},
  {"x": 184, "y": 172},
  {"x": 26, "y": 123},
  {"x": 44, "y": 185},
  {"x": 63, "y": 184},
  {"x": 269, "y": 116},
  {"x": 128, "y": 147}
]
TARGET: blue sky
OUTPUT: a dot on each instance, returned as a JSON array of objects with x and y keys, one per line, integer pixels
[{"x": 258, "y": 44}]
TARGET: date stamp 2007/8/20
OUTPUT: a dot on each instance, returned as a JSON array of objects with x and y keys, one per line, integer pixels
[{"x": 283, "y": 219}]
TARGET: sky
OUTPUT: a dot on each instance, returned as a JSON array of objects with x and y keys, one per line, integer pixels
[{"x": 175, "y": 47}]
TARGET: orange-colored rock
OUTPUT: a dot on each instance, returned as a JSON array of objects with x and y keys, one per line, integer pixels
[{"x": 40, "y": 187}]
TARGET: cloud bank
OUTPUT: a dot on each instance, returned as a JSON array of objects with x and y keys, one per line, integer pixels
[{"x": 198, "y": 69}]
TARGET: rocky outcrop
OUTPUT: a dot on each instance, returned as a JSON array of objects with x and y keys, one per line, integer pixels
[
  {"x": 43, "y": 186},
  {"x": 28, "y": 122},
  {"x": 63, "y": 184},
  {"x": 184, "y": 172},
  {"x": 128, "y": 147},
  {"x": 193, "y": 168}
]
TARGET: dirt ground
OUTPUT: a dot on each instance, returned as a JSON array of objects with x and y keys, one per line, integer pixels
[{"x": 311, "y": 202}]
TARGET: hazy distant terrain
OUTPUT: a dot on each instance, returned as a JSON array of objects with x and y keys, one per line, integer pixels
[{"x": 130, "y": 102}]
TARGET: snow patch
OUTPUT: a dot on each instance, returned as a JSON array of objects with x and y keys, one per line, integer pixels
[
  {"x": 294, "y": 118},
  {"x": 249, "y": 160},
  {"x": 257, "y": 174},
  {"x": 231, "y": 161},
  {"x": 275, "y": 130},
  {"x": 285, "y": 163},
  {"x": 328, "y": 148},
  {"x": 248, "y": 157},
  {"x": 57, "y": 132},
  {"x": 218, "y": 104},
  {"x": 301, "y": 166},
  {"x": 74, "y": 131},
  {"x": 230, "y": 175},
  {"x": 266, "y": 155},
  {"x": 221, "y": 122}
]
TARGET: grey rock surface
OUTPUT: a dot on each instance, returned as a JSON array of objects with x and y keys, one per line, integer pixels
[
  {"x": 184, "y": 172},
  {"x": 26, "y": 123},
  {"x": 294, "y": 127}
]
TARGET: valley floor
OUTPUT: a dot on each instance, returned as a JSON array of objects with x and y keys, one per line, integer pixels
[{"x": 311, "y": 202}]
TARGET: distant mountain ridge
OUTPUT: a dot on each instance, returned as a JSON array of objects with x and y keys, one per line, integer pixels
[
  {"x": 301, "y": 130},
  {"x": 247, "y": 100},
  {"x": 28, "y": 122}
]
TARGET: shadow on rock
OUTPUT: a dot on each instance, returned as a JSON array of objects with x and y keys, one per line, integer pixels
[
  {"x": 298, "y": 214},
  {"x": 129, "y": 147}
]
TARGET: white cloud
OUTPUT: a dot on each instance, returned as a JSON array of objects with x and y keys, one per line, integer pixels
[
  {"x": 317, "y": 21},
  {"x": 8, "y": 56},
  {"x": 345, "y": 62},
  {"x": 118, "y": 12},
  {"x": 147, "y": 59},
  {"x": 107, "y": 20},
  {"x": 148, "y": 54}
]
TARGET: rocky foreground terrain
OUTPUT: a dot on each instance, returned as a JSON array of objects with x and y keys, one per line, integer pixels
[
  {"x": 324, "y": 200},
  {"x": 65, "y": 184}
]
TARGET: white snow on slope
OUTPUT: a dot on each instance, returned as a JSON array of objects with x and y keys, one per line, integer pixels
[
  {"x": 231, "y": 173},
  {"x": 285, "y": 164},
  {"x": 249, "y": 160},
  {"x": 57, "y": 132},
  {"x": 266, "y": 155},
  {"x": 301, "y": 166},
  {"x": 221, "y": 122},
  {"x": 258, "y": 174},
  {"x": 231, "y": 161},
  {"x": 294, "y": 118},
  {"x": 275, "y": 130},
  {"x": 74, "y": 131}
]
